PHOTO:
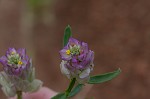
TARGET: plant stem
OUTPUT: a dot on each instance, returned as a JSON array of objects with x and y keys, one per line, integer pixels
[
  {"x": 19, "y": 94},
  {"x": 70, "y": 86}
]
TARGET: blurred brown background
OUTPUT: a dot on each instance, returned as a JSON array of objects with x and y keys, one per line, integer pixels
[{"x": 117, "y": 30}]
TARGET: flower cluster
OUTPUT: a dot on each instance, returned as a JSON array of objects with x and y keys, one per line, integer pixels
[
  {"x": 18, "y": 73},
  {"x": 77, "y": 60}
]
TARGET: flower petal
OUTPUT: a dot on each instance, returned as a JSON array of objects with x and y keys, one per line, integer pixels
[
  {"x": 63, "y": 54},
  {"x": 84, "y": 47},
  {"x": 64, "y": 70},
  {"x": 85, "y": 73},
  {"x": 22, "y": 52},
  {"x": 73, "y": 41},
  {"x": 3, "y": 60},
  {"x": 10, "y": 50}
]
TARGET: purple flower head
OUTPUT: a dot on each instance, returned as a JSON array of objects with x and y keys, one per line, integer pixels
[
  {"x": 77, "y": 59},
  {"x": 15, "y": 61},
  {"x": 18, "y": 73}
]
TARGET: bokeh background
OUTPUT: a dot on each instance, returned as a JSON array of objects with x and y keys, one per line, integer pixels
[{"x": 117, "y": 30}]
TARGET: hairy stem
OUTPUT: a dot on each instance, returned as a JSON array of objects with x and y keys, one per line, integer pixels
[
  {"x": 70, "y": 86},
  {"x": 19, "y": 94}
]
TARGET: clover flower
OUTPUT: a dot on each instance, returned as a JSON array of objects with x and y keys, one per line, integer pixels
[
  {"x": 18, "y": 74},
  {"x": 77, "y": 60}
]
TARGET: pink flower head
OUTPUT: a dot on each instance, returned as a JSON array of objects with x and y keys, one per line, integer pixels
[{"x": 77, "y": 60}]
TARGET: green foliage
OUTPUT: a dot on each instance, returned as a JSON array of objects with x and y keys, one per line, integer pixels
[
  {"x": 103, "y": 77},
  {"x": 67, "y": 35},
  {"x": 76, "y": 90},
  {"x": 71, "y": 94},
  {"x": 60, "y": 96}
]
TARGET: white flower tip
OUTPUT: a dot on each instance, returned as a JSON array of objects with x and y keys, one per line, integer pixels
[
  {"x": 64, "y": 70},
  {"x": 8, "y": 91},
  {"x": 85, "y": 73}
]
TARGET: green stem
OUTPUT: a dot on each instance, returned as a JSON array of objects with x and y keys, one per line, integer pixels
[
  {"x": 19, "y": 94},
  {"x": 70, "y": 86}
]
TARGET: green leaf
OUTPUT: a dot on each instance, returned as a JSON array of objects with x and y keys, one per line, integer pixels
[
  {"x": 103, "y": 77},
  {"x": 60, "y": 96},
  {"x": 67, "y": 35},
  {"x": 76, "y": 90}
]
